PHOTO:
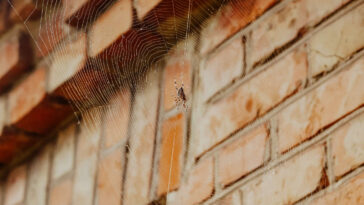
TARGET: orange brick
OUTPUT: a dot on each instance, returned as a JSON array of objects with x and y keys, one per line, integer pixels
[
  {"x": 252, "y": 99},
  {"x": 117, "y": 118},
  {"x": 347, "y": 146},
  {"x": 141, "y": 143},
  {"x": 144, "y": 6},
  {"x": 61, "y": 193},
  {"x": 27, "y": 95},
  {"x": 289, "y": 182},
  {"x": 80, "y": 13},
  {"x": 23, "y": 10},
  {"x": 323, "y": 106},
  {"x": 242, "y": 156},
  {"x": 103, "y": 32},
  {"x": 198, "y": 187},
  {"x": 178, "y": 68},
  {"x": 286, "y": 24},
  {"x": 231, "y": 199},
  {"x": 67, "y": 60},
  {"x": 170, "y": 165},
  {"x": 15, "y": 56},
  {"x": 337, "y": 41},
  {"x": 15, "y": 186},
  {"x": 230, "y": 19},
  {"x": 110, "y": 178},
  {"x": 222, "y": 68},
  {"x": 349, "y": 193},
  {"x": 29, "y": 105}
]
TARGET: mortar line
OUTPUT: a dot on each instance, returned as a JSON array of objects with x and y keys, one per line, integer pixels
[{"x": 289, "y": 155}]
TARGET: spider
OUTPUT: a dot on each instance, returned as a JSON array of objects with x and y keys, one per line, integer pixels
[{"x": 181, "y": 96}]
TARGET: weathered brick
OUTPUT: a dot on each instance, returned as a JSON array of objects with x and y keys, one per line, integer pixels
[
  {"x": 141, "y": 143},
  {"x": 15, "y": 186},
  {"x": 27, "y": 95},
  {"x": 221, "y": 69},
  {"x": 171, "y": 156},
  {"x": 242, "y": 156},
  {"x": 323, "y": 106},
  {"x": 80, "y": 13},
  {"x": 15, "y": 56},
  {"x": 178, "y": 68},
  {"x": 288, "y": 182},
  {"x": 349, "y": 193},
  {"x": 66, "y": 61},
  {"x": 63, "y": 155},
  {"x": 61, "y": 193},
  {"x": 23, "y": 10},
  {"x": 38, "y": 178},
  {"x": 348, "y": 146},
  {"x": 29, "y": 106},
  {"x": 144, "y": 6},
  {"x": 252, "y": 99},
  {"x": 230, "y": 19},
  {"x": 198, "y": 187},
  {"x": 103, "y": 33},
  {"x": 117, "y": 118},
  {"x": 231, "y": 199},
  {"x": 337, "y": 41},
  {"x": 86, "y": 157},
  {"x": 287, "y": 24},
  {"x": 110, "y": 178}
]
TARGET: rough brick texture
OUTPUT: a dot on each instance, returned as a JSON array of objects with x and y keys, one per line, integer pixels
[{"x": 90, "y": 113}]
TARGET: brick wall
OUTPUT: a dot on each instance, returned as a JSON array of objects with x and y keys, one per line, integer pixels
[{"x": 274, "y": 103}]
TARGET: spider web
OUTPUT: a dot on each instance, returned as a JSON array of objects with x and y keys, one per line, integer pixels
[{"x": 135, "y": 63}]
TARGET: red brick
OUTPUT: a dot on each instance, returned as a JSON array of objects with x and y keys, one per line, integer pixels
[
  {"x": 349, "y": 193},
  {"x": 323, "y": 106},
  {"x": 15, "y": 186},
  {"x": 249, "y": 101},
  {"x": 86, "y": 157},
  {"x": 231, "y": 199},
  {"x": 67, "y": 60},
  {"x": 4, "y": 12},
  {"x": 23, "y": 10},
  {"x": 230, "y": 19},
  {"x": 117, "y": 118},
  {"x": 172, "y": 142},
  {"x": 222, "y": 68},
  {"x": 337, "y": 41},
  {"x": 110, "y": 178},
  {"x": 144, "y": 6},
  {"x": 29, "y": 105},
  {"x": 198, "y": 187},
  {"x": 38, "y": 178},
  {"x": 289, "y": 182},
  {"x": 242, "y": 156},
  {"x": 103, "y": 32},
  {"x": 61, "y": 193},
  {"x": 286, "y": 24},
  {"x": 178, "y": 68},
  {"x": 80, "y": 13},
  {"x": 15, "y": 56},
  {"x": 141, "y": 143},
  {"x": 348, "y": 146},
  {"x": 12, "y": 143},
  {"x": 49, "y": 32}
]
